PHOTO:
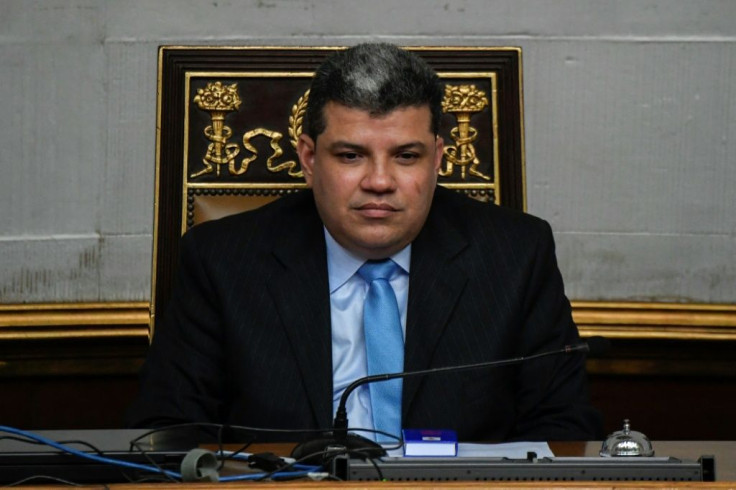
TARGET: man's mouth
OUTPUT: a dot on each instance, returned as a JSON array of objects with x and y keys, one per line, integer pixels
[{"x": 376, "y": 210}]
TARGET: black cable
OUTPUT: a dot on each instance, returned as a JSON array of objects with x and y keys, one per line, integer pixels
[
  {"x": 220, "y": 430},
  {"x": 44, "y": 477},
  {"x": 378, "y": 468},
  {"x": 152, "y": 462},
  {"x": 243, "y": 428},
  {"x": 286, "y": 467},
  {"x": 136, "y": 444},
  {"x": 92, "y": 447},
  {"x": 233, "y": 455},
  {"x": 328, "y": 453},
  {"x": 66, "y": 442},
  {"x": 253, "y": 431}
]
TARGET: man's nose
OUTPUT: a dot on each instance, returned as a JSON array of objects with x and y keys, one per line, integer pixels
[{"x": 379, "y": 177}]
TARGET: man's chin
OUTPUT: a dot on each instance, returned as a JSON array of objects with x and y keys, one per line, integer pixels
[{"x": 379, "y": 249}]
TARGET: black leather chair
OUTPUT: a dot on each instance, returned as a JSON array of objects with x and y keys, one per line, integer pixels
[{"x": 229, "y": 119}]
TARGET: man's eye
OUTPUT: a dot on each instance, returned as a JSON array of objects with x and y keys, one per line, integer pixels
[
  {"x": 349, "y": 156},
  {"x": 407, "y": 156}
]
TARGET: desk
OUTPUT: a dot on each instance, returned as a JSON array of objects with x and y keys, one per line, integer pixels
[{"x": 724, "y": 452}]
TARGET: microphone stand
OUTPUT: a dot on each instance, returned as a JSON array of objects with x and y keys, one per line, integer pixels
[{"x": 365, "y": 448}]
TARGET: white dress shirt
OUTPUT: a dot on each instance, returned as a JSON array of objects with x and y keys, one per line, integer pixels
[{"x": 347, "y": 294}]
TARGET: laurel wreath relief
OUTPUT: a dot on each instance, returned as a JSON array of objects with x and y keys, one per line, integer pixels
[
  {"x": 460, "y": 100},
  {"x": 220, "y": 152}
]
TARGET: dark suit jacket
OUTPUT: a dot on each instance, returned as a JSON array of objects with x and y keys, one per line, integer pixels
[{"x": 246, "y": 338}]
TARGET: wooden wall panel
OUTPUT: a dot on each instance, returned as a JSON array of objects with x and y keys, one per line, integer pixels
[{"x": 76, "y": 367}]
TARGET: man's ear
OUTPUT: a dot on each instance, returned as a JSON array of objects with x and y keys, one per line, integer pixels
[
  {"x": 439, "y": 148},
  {"x": 305, "y": 149}
]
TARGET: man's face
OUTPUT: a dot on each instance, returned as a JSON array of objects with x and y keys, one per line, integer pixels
[{"x": 373, "y": 177}]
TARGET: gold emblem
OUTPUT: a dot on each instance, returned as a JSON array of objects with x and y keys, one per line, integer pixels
[
  {"x": 463, "y": 101},
  {"x": 218, "y": 99},
  {"x": 295, "y": 129}
]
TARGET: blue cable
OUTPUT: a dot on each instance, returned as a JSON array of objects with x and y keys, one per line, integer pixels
[
  {"x": 92, "y": 457},
  {"x": 152, "y": 469},
  {"x": 245, "y": 456},
  {"x": 257, "y": 476}
]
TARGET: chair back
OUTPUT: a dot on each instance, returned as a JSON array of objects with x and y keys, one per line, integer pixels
[{"x": 229, "y": 119}]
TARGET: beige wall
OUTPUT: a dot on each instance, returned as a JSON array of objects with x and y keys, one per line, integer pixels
[{"x": 630, "y": 130}]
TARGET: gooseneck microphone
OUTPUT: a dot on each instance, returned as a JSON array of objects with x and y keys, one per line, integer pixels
[{"x": 339, "y": 437}]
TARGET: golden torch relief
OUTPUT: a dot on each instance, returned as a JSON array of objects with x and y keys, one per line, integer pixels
[
  {"x": 218, "y": 99},
  {"x": 463, "y": 101}
]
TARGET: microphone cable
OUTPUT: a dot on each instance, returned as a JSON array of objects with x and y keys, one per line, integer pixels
[{"x": 33, "y": 438}]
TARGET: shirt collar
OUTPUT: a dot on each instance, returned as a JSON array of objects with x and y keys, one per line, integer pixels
[{"x": 342, "y": 264}]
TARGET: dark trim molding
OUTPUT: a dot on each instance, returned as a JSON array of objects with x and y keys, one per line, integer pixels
[{"x": 92, "y": 339}]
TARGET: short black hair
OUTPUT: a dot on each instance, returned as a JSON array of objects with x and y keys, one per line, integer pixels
[{"x": 375, "y": 77}]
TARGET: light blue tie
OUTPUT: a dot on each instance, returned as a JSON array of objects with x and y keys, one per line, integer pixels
[{"x": 384, "y": 345}]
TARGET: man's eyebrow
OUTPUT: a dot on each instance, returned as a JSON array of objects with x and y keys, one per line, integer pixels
[
  {"x": 345, "y": 145},
  {"x": 414, "y": 145},
  {"x": 342, "y": 145}
]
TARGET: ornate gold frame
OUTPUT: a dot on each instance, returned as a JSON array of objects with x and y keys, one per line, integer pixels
[
  {"x": 620, "y": 320},
  {"x": 53, "y": 321},
  {"x": 628, "y": 320}
]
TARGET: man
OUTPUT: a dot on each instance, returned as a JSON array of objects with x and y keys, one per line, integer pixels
[{"x": 272, "y": 314}]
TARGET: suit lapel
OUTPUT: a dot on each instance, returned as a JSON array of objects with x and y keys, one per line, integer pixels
[
  {"x": 436, "y": 283},
  {"x": 301, "y": 294},
  {"x": 300, "y": 291}
]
